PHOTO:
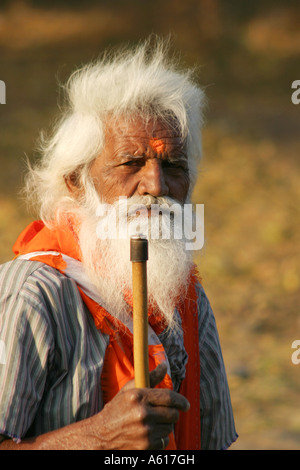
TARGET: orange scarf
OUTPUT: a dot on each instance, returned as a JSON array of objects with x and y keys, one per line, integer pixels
[{"x": 119, "y": 354}]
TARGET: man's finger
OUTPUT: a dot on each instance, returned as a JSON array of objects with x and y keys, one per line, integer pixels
[
  {"x": 157, "y": 375},
  {"x": 168, "y": 398}
]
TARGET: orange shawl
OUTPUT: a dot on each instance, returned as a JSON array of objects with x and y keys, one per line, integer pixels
[{"x": 119, "y": 355}]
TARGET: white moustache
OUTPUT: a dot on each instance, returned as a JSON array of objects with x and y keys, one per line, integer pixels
[{"x": 153, "y": 217}]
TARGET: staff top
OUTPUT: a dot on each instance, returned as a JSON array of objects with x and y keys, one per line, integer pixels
[{"x": 138, "y": 249}]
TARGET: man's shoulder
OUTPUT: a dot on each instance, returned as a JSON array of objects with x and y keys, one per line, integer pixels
[
  {"x": 206, "y": 316},
  {"x": 204, "y": 306},
  {"x": 33, "y": 289},
  {"x": 20, "y": 275}
]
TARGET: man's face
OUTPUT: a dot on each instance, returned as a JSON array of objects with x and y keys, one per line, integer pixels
[
  {"x": 138, "y": 161},
  {"x": 141, "y": 159}
]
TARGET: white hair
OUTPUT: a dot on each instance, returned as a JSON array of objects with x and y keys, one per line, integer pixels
[
  {"x": 132, "y": 82},
  {"x": 106, "y": 260}
]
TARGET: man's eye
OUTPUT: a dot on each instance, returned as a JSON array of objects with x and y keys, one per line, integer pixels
[
  {"x": 135, "y": 163},
  {"x": 174, "y": 165}
]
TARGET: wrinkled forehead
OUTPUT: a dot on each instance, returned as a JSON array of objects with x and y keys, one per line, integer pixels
[{"x": 157, "y": 133}]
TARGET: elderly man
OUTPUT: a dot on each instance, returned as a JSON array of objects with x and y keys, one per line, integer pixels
[{"x": 128, "y": 139}]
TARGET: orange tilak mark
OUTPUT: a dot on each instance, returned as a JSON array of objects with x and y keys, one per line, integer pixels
[{"x": 157, "y": 145}]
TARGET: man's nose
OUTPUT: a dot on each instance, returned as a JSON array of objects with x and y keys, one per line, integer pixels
[{"x": 153, "y": 180}]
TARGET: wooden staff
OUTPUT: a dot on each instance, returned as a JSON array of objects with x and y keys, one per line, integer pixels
[{"x": 139, "y": 257}]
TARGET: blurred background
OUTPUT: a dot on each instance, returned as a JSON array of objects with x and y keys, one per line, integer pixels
[{"x": 248, "y": 56}]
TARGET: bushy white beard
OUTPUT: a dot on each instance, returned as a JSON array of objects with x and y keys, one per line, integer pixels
[{"x": 107, "y": 261}]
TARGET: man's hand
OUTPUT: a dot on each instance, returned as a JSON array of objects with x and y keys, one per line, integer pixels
[
  {"x": 139, "y": 418},
  {"x": 134, "y": 419}
]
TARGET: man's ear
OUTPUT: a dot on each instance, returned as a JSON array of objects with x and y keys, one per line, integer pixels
[{"x": 73, "y": 184}]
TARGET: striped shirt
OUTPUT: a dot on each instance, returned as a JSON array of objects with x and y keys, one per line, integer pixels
[{"x": 52, "y": 358}]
